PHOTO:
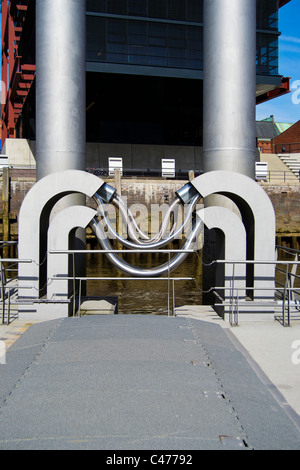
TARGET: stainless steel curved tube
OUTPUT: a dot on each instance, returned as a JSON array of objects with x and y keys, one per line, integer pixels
[
  {"x": 176, "y": 261},
  {"x": 154, "y": 245},
  {"x": 133, "y": 228},
  {"x": 129, "y": 220}
]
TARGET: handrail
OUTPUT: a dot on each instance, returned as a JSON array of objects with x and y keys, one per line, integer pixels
[
  {"x": 5, "y": 284},
  {"x": 104, "y": 172},
  {"x": 107, "y": 278},
  {"x": 287, "y": 290},
  {"x": 133, "y": 251},
  {"x": 272, "y": 175},
  {"x": 163, "y": 251},
  {"x": 257, "y": 261},
  {"x": 284, "y": 175},
  {"x": 287, "y": 250}
]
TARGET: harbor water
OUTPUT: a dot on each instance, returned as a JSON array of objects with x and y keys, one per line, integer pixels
[{"x": 140, "y": 296}]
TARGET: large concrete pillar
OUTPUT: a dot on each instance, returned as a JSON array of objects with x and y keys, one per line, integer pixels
[
  {"x": 229, "y": 135},
  {"x": 229, "y": 90},
  {"x": 61, "y": 98},
  {"x": 60, "y": 86}
]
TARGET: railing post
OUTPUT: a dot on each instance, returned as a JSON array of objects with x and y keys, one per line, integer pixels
[
  {"x": 236, "y": 319},
  {"x": 74, "y": 285},
  {"x": 173, "y": 312},
  {"x": 286, "y": 291},
  {"x": 293, "y": 274},
  {"x": 2, "y": 293},
  {"x": 232, "y": 295},
  {"x": 169, "y": 285},
  {"x": 289, "y": 299},
  {"x": 79, "y": 299},
  {"x": 8, "y": 307}
]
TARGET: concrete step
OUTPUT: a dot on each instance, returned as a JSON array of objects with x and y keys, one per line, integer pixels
[
  {"x": 293, "y": 164},
  {"x": 98, "y": 306}
]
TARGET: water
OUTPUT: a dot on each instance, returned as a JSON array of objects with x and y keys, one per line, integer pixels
[
  {"x": 142, "y": 296},
  {"x": 151, "y": 297},
  {"x": 288, "y": 255}
]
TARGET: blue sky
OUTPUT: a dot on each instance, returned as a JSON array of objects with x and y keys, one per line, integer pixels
[{"x": 287, "y": 108}]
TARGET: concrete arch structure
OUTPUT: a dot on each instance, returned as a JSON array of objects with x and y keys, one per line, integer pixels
[
  {"x": 250, "y": 236},
  {"x": 61, "y": 230},
  {"x": 258, "y": 217},
  {"x": 232, "y": 245},
  {"x": 34, "y": 220}
]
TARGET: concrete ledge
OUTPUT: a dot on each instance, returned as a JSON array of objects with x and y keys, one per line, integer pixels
[{"x": 98, "y": 306}]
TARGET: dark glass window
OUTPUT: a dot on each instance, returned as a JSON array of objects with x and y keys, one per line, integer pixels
[
  {"x": 117, "y": 7},
  {"x": 137, "y": 7},
  {"x": 267, "y": 54},
  {"x": 194, "y": 11},
  {"x": 267, "y": 14},
  {"x": 167, "y": 43},
  {"x": 96, "y": 5},
  {"x": 177, "y": 9},
  {"x": 157, "y": 8},
  {"x": 96, "y": 39},
  {"x": 182, "y": 10}
]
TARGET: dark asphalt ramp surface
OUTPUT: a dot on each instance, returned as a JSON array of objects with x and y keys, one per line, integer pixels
[{"x": 135, "y": 382}]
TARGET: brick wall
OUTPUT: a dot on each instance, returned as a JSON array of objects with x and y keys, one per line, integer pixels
[
  {"x": 290, "y": 139},
  {"x": 265, "y": 146}
]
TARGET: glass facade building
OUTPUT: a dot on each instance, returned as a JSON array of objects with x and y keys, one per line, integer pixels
[
  {"x": 148, "y": 57},
  {"x": 144, "y": 69},
  {"x": 165, "y": 34}
]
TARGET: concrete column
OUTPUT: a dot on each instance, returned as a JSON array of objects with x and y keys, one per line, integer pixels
[
  {"x": 229, "y": 135},
  {"x": 61, "y": 96},
  {"x": 5, "y": 209},
  {"x": 60, "y": 86}
]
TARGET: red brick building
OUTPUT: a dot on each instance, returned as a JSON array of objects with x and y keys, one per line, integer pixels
[
  {"x": 266, "y": 130},
  {"x": 288, "y": 141}
]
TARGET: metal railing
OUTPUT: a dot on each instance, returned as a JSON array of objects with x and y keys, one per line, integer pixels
[
  {"x": 180, "y": 174},
  {"x": 284, "y": 296},
  {"x": 9, "y": 286},
  {"x": 290, "y": 283},
  {"x": 288, "y": 148},
  {"x": 274, "y": 176},
  {"x": 79, "y": 279}
]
